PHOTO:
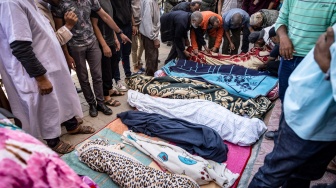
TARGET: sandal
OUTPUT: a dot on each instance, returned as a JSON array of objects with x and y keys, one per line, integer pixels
[
  {"x": 112, "y": 102},
  {"x": 116, "y": 93},
  {"x": 81, "y": 129},
  {"x": 63, "y": 147}
]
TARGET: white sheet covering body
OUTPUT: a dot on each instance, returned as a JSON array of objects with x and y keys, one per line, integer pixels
[
  {"x": 231, "y": 127},
  {"x": 179, "y": 161}
]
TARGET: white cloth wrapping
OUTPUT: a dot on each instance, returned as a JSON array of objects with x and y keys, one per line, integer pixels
[
  {"x": 41, "y": 116},
  {"x": 231, "y": 127},
  {"x": 179, "y": 161}
]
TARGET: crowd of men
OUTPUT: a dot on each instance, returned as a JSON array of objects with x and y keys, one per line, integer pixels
[{"x": 42, "y": 40}]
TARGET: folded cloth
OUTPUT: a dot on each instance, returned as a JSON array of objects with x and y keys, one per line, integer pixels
[
  {"x": 195, "y": 138},
  {"x": 231, "y": 127},
  {"x": 124, "y": 169},
  {"x": 178, "y": 161}
]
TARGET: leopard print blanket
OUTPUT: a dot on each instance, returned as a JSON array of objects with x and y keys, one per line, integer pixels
[{"x": 125, "y": 170}]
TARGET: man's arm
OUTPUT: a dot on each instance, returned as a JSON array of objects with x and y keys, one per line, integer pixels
[
  {"x": 64, "y": 34},
  {"x": 110, "y": 22},
  {"x": 227, "y": 34},
  {"x": 70, "y": 61},
  {"x": 220, "y": 4},
  {"x": 106, "y": 49},
  {"x": 136, "y": 11},
  {"x": 219, "y": 38}
]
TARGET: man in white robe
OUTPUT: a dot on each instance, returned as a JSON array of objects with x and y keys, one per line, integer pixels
[{"x": 35, "y": 74}]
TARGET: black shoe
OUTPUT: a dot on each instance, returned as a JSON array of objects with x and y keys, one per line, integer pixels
[
  {"x": 79, "y": 90},
  {"x": 269, "y": 135},
  {"x": 93, "y": 110},
  {"x": 103, "y": 108}
]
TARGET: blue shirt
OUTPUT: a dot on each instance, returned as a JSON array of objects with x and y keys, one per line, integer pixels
[
  {"x": 310, "y": 100},
  {"x": 228, "y": 15}
]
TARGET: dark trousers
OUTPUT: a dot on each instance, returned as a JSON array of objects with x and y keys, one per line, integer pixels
[
  {"x": 246, "y": 43},
  {"x": 285, "y": 70},
  {"x": 175, "y": 53},
  {"x": 110, "y": 65},
  {"x": 151, "y": 56},
  {"x": 92, "y": 54},
  {"x": 294, "y": 162},
  {"x": 126, "y": 49},
  {"x": 235, "y": 39}
]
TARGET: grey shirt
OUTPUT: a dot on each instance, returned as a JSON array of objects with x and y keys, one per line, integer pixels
[{"x": 83, "y": 34}]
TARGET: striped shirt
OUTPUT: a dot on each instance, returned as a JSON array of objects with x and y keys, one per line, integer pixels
[{"x": 306, "y": 20}]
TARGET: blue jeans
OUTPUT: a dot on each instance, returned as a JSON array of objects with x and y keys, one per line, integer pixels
[
  {"x": 125, "y": 50},
  {"x": 294, "y": 162},
  {"x": 285, "y": 70}
]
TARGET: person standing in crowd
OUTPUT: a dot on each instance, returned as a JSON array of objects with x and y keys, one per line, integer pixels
[
  {"x": 109, "y": 46},
  {"x": 251, "y": 7},
  {"x": 213, "y": 25},
  {"x": 169, "y": 4},
  {"x": 298, "y": 29},
  {"x": 137, "y": 48},
  {"x": 306, "y": 140},
  {"x": 233, "y": 22},
  {"x": 37, "y": 80},
  {"x": 192, "y": 6},
  {"x": 150, "y": 29},
  {"x": 84, "y": 46},
  {"x": 263, "y": 18},
  {"x": 174, "y": 27},
  {"x": 209, "y": 5},
  {"x": 123, "y": 13},
  {"x": 226, "y": 5}
]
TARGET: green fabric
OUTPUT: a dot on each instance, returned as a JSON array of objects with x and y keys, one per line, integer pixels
[
  {"x": 103, "y": 180},
  {"x": 306, "y": 21},
  {"x": 186, "y": 88}
]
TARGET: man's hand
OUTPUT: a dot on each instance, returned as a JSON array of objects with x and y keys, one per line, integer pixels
[
  {"x": 124, "y": 38},
  {"x": 44, "y": 85},
  {"x": 70, "y": 19},
  {"x": 135, "y": 30},
  {"x": 107, "y": 51},
  {"x": 322, "y": 53},
  {"x": 286, "y": 48},
  {"x": 232, "y": 46},
  {"x": 157, "y": 43},
  {"x": 207, "y": 49},
  {"x": 214, "y": 49},
  {"x": 186, "y": 53},
  {"x": 71, "y": 62},
  {"x": 117, "y": 44},
  {"x": 195, "y": 51}
]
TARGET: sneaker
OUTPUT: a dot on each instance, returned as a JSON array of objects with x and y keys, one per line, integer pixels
[{"x": 121, "y": 87}]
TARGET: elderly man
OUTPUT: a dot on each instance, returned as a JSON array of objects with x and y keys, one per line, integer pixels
[
  {"x": 150, "y": 29},
  {"x": 36, "y": 78},
  {"x": 192, "y": 6},
  {"x": 174, "y": 27},
  {"x": 213, "y": 25},
  {"x": 234, "y": 21},
  {"x": 306, "y": 140},
  {"x": 263, "y": 18}
]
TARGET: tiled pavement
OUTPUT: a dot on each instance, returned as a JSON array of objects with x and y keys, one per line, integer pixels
[{"x": 260, "y": 149}]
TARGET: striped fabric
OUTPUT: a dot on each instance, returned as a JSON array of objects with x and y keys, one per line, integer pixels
[{"x": 306, "y": 20}]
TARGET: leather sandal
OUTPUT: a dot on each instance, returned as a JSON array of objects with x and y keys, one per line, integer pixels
[
  {"x": 63, "y": 147},
  {"x": 112, "y": 102},
  {"x": 82, "y": 129}
]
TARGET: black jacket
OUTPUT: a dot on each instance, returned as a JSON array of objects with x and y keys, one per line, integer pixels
[
  {"x": 185, "y": 6},
  {"x": 174, "y": 27},
  {"x": 122, "y": 12}
]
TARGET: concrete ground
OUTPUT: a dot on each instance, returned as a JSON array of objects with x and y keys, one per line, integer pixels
[{"x": 260, "y": 149}]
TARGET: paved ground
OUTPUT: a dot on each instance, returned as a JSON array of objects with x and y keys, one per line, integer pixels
[{"x": 260, "y": 149}]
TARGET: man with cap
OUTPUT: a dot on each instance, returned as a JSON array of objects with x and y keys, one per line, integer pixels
[
  {"x": 174, "y": 27},
  {"x": 192, "y": 6},
  {"x": 233, "y": 22},
  {"x": 263, "y": 18},
  {"x": 306, "y": 140}
]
